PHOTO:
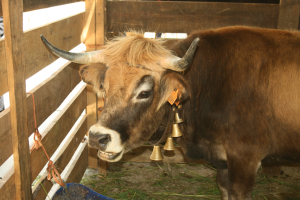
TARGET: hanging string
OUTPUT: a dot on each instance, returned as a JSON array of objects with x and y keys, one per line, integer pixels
[{"x": 51, "y": 169}]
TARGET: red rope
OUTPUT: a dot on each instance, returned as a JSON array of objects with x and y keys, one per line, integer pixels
[{"x": 51, "y": 169}]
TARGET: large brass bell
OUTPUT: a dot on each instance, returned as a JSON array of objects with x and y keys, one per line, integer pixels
[
  {"x": 176, "y": 131},
  {"x": 169, "y": 144},
  {"x": 156, "y": 154}
]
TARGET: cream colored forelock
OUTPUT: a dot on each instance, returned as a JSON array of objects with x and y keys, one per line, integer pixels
[{"x": 135, "y": 50}]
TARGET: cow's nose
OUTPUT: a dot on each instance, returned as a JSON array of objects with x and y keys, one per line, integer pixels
[
  {"x": 99, "y": 141},
  {"x": 103, "y": 139}
]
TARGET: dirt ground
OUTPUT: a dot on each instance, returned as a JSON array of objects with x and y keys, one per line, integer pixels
[{"x": 130, "y": 180}]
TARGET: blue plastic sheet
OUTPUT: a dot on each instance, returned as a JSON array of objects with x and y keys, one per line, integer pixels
[{"x": 75, "y": 191}]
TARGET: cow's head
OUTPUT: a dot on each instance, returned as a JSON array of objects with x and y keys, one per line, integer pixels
[{"x": 137, "y": 78}]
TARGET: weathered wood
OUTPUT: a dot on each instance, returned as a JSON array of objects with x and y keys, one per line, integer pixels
[
  {"x": 48, "y": 96},
  {"x": 75, "y": 168},
  {"x": 101, "y": 27},
  {"x": 56, "y": 132},
  {"x": 142, "y": 154},
  {"x": 29, "y": 5},
  {"x": 13, "y": 27},
  {"x": 288, "y": 18},
  {"x": 91, "y": 110},
  {"x": 9, "y": 190},
  {"x": 64, "y": 159},
  {"x": 100, "y": 34},
  {"x": 35, "y": 53},
  {"x": 89, "y": 38},
  {"x": 80, "y": 167},
  {"x": 184, "y": 17}
]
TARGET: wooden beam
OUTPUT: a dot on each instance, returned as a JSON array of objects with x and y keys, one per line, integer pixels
[
  {"x": 185, "y": 17},
  {"x": 53, "y": 90},
  {"x": 57, "y": 130},
  {"x": 13, "y": 30},
  {"x": 288, "y": 18},
  {"x": 29, "y": 5},
  {"x": 35, "y": 53}
]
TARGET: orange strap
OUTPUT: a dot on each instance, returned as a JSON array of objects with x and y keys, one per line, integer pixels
[
  {"x": 37, "y": 144},
  {"x": 173, "y": 97}
]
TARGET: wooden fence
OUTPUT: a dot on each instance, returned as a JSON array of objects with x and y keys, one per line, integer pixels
[{"x": 22, "y": 54}]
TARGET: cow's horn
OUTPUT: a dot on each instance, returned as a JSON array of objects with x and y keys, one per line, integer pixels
[
  {"x": 81, "y": 58},
  {"x": 180, "y": 64}
]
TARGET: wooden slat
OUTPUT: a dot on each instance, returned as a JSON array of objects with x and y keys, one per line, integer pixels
[
  {"x": 64, "y": 159},
  {"x": 142, "y": 154},
  {"x": 9, "y": 190},
  {"x": 67, "y": 36},
  {"x": 29, "y": 5},
  {"x": 13, "y": 30},
  {"x": 57, "y": 131},
  {"x": 80, "y": 167},
  {"x": 184, "y": 17},
  {"x": 53, "y": 91},
  {"x": 288, "y": 18},
  {"x": 75, "y": 168}
]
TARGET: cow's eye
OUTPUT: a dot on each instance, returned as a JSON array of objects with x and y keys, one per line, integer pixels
[{"x": 144, "y": 94}]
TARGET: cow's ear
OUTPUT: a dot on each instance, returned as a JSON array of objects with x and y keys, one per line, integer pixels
[
  {"x": 173, "y": 81},
  {"x": 94, "y": 75}
]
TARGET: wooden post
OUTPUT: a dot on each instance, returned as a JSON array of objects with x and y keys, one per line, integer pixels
[
  {"x": 13, "y": 30},
  {"x": 94, "y": 38},
  {"x": 288, "y": 18},
  {"x": 100, "y": 33}
]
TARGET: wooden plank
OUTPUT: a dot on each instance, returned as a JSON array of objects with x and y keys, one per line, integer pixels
[
  {"x": 142, "y": 154},
  {"x": 67, "y": 36},
  {"x": 29, "y": 5},
  {"x": 89, "y": 39},
  {"x": 8, "y": 191},
  {"x": 184, "y": 17},
  {"x": 53, "y": 91},
  {"x": 13, "y": 30},
  {"x": 57, "y": 131},
  {"x": 75, "y": 168},
  {"x": 100, "y": 34},
  {"x": 80, "y": 167},
  {"x": 288, "y": 18},
  {"x": 64, "y": 159}
]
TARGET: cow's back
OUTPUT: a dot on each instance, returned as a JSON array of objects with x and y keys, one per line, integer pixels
[{"x": 246, "y": 85}]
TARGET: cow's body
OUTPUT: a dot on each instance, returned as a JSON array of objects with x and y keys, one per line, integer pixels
[{"x": 240, "y": 102}]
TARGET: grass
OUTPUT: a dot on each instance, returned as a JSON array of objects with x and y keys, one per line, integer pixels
[{"x": 176, "y": 181}]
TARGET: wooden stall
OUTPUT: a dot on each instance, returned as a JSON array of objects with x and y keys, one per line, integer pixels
[{"x": 22, "y": 54}]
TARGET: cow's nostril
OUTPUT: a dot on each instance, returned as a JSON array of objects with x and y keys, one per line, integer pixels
[{"x": 104, "y": 139}]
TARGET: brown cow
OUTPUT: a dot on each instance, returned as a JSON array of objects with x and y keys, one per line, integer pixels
[{"x": 240, "y": 98}]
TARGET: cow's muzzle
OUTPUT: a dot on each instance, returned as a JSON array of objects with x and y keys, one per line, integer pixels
[{"x": 107, "y": 141}]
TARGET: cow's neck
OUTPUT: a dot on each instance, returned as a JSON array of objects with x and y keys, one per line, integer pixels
[{"x": 164, "y": 129}]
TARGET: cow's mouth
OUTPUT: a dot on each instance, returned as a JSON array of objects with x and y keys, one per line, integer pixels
[{"x": 110, "y": 156}]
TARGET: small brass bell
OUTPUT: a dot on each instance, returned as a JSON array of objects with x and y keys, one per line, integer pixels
[
  {"x": 156, "y": 154},
  {"x": 169, "y": 144},
  {"x": 177, "y": 118},
  {"x": 176, "y": 131}
]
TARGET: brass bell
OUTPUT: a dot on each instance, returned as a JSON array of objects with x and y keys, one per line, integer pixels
[
  {"x": 176, "y": 131},
  {"x": 177, "y": 118},
  {"x": 156, "y": 154},
  {"x": 169, "y": 144}
]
